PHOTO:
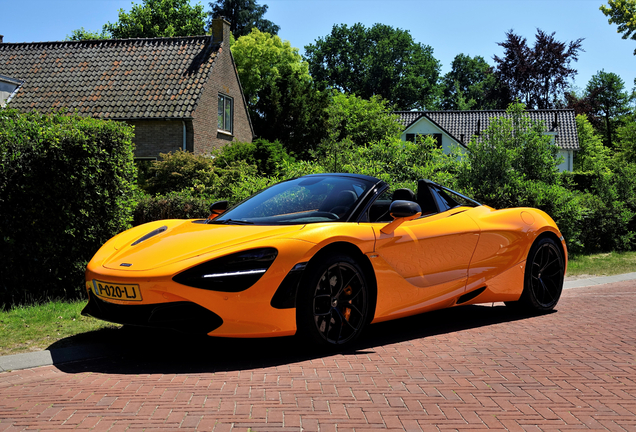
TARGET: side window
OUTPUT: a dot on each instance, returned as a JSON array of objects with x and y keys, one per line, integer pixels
[
  {"x": 444, "y": 202},
  {"x": 226, "y": 113},
  {"x": 379, "y": 210}
]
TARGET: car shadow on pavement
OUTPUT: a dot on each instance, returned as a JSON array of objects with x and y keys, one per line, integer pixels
[{"x": 147, "y": 351}]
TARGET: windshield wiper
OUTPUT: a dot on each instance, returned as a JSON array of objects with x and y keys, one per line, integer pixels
[{"x": 234, "y": 222}]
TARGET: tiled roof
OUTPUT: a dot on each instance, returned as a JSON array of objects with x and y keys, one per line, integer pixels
[
  {"x": 465, "y": 124},
  {"x": 119, "y": 78}
]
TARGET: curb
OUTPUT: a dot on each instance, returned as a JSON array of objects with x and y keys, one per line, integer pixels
[
  {"x": 600, "y": 280},
  {"x": 53, "y": 357},
  {"x": 93, "y": 351}
]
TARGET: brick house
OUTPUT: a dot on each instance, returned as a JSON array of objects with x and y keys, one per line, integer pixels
[
  {"x": 458, "y": 127},
  {"x": 178, "y": 93}
]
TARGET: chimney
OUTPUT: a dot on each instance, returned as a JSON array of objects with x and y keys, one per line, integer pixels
[
  {"x": 220, "y": 30},
  {"x": 1, "y": 38}
]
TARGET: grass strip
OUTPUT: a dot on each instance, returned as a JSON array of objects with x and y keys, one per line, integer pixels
[
  {"x": 35, "y": 327},
  {"x": 604, "y": 264}
]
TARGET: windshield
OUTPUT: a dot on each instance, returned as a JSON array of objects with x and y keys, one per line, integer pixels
[{"x": 303, "y": 200}]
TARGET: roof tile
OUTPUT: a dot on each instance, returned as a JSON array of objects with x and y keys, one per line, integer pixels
[
  {"x": 94, "y": 74},
  {"x": 466, "y": 123}
]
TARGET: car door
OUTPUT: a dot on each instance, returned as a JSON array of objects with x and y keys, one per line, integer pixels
[{"x": 423, "y": 262}]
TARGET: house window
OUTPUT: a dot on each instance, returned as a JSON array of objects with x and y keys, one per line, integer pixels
[
  {"x": 226, "y": 113},
  {"x": 437, "y": 137}
]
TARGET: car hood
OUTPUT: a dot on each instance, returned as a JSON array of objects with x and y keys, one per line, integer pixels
[{"x": 182, "y": 240}]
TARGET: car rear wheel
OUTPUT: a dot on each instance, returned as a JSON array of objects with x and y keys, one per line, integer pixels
[
  {"x": 333, "y": 302},
  {"x": 543, "y": 282}
]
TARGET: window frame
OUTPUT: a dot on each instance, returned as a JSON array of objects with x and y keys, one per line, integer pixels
[{"x": 221, "y": 117}]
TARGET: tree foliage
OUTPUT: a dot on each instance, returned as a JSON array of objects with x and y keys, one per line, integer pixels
[
  {"x": 513, "y": 149},
  {"x": 539, "y": 75},
  {"x": 293, "y": 110},
  {"x": 259, "y": 57},
  {"x": 361, "y": 121},
  {"x": 593, "y": 156},
  {"x": 471, "y": 85},
  {"x": 83, "y": 34},
  {"x": 623, "y": 14},
  {"x": 626, "y": 134},
  {"x": 159, "y": 18},
  {"x": 608, "y": 101},
  {"x": 243, "y": 15},
  {"x": 380, "y": 60}
]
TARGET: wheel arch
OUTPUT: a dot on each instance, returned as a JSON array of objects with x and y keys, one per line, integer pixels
[
  {"x": 557, "y": 240},
  {"x": 342, "y": 247}
]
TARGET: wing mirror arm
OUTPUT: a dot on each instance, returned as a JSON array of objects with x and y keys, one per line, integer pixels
[
  {"x": 401, "y": 211},
  {"x": 217, "y": 208}
]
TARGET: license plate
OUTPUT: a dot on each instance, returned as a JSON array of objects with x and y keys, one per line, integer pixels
[{"x": 116, "y": 291}]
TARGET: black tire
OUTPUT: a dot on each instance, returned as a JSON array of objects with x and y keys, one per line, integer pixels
[
  {"x": 332, "y": 307},
  {"x": 543, "y": 281}
]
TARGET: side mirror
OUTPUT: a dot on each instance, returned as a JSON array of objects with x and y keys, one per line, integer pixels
[
  {"x": 408, "y": 210},
  {"x": 217, "y": 208},
  {"x": 401, "y": 211}
]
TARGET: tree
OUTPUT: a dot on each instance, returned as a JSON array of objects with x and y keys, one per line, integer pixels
[
  {"x": 259, "y": 57},
  {"x": 159, "y": 18},
  {"x": 593, "y": 155},
  {"x": 512, "y": 150},
  {"x": 83, "y": 34},
  {"x": 285, "y": 104},
  {"x": 361, "y": 121},
  {"x": 379, "y": 61},
  {"x": 471, "y": 84},
  {"x": 243, "y": 15},
  {"x": 608, "y": 101},
  {"x": 622, "y": 13},
  {"x": 626, "y": 135},
  {"x": 293, "y": 110},
  {"x": 537, "y": 76}
]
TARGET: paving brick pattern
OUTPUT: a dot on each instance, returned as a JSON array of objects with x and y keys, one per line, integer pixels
[{"x": 471, "y": 368}]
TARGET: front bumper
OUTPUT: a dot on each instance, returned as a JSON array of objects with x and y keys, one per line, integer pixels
[{"x": 182, "y": 316}]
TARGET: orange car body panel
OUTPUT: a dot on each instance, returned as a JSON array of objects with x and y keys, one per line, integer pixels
[{"x": 423, "y": 264}]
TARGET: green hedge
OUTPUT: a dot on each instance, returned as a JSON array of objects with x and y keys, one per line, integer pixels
[
  {"x": 174, "y": 205},
  {"x": 66, "y": 186}
]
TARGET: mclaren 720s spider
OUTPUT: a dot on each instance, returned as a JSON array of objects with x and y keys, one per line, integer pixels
[{"x": 324, "y": 256}]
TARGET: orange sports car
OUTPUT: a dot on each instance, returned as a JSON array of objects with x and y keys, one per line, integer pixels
[{"x": 325, "y": 255}]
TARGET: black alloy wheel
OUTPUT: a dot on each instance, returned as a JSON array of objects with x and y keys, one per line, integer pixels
[
  {"x": 333, "y": 306},
  {"x": 544, "y": 275}
]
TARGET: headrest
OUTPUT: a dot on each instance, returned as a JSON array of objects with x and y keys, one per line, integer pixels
[{"x": 404, "y": 194}]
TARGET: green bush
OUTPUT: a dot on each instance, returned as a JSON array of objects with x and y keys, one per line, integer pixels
[
  {"x": 397, "y": 162},
  {"x": 66, "y": 186},
  {"x": 178, "y": 171},
  {"x": 174, "y": 205},
  {"x": 182, "y": 199},
  {"x": 265, "y": 155}
]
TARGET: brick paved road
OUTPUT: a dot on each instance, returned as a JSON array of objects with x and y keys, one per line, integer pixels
[{"x": 465, "y": 369}]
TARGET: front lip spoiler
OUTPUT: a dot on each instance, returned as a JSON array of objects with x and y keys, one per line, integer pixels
[{"x": 183, "y": 316}]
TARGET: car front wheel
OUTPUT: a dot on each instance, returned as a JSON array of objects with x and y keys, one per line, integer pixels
[{"x": 333, "y": 302}]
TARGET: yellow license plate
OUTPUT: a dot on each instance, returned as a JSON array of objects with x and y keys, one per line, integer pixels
[{"x": 116, "y": 291}]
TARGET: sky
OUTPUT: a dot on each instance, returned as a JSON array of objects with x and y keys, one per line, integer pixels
[{"x": 450, "y": 27}]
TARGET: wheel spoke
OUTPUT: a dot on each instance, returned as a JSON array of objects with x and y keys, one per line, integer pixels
[
  {"x": 339, "y": 302},
  {"x": 355, "y": 309},
  {"x": 545, "y": 275}
]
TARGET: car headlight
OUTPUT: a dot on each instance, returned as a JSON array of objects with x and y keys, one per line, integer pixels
[{"x": 231, "y": 273}]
